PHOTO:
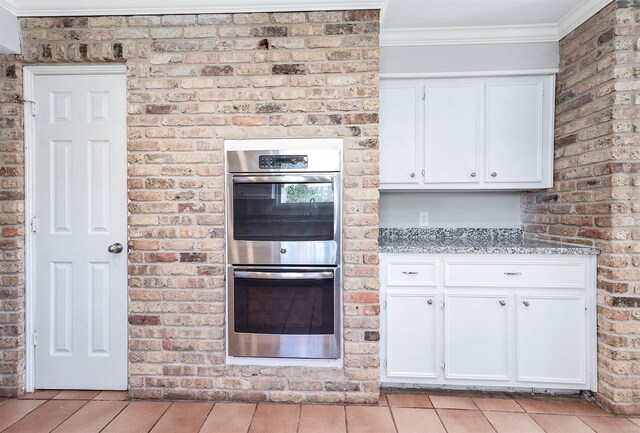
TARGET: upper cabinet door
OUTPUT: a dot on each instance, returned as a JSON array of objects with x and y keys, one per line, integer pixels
[
  {"x": 399, "y": 131},
  {"x": 452, "y": 131},
  {"x": 516, "y": 130}
]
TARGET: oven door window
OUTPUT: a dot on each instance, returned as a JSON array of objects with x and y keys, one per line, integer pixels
[
  {"x": 283, "y": 211},
  {"x": 283, "y": 307}
]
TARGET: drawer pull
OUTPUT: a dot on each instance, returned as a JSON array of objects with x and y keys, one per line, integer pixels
[
  {"x": 525, "y": 303},
  {"x": 513, "y": 273},
  {"x": 503, "y": 303},
  {"x": 429, "y": 301},
  {"x": 410, "y": 272}
]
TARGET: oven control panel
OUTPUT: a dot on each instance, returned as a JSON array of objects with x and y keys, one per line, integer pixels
[{"x": 283, "y": 162}]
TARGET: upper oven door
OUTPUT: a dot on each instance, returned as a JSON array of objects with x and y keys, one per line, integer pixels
[{"x": 288, "y": 219}]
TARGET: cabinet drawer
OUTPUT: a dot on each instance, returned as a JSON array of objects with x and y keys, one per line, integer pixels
[
  {"x": 411, "y": 273},
  {"x": 569, "y": 274}
]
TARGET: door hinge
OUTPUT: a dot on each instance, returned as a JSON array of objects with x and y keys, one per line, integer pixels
[
  {"x": 34, "y": 224},
  {"x": 32, "y": 104},
  {"x": 442, "y": 365},
  {"x": 442, "y": 305},
  {"x": 424, "y": 93},
  {"x": 35, "y": 338},
  {"x": 384, "y": 304}
]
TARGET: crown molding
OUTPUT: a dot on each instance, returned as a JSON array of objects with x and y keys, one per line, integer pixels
[
  {"x": 8, "y": 5},
  {"x": 152, "y": 7},
  {"x": 511, "y": 34},
  {"x": 578, "y": 15}
]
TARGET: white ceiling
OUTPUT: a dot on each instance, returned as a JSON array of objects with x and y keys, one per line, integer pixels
[
  {"x": 461, "y": 13},
  {"x": 404, "y": 22}
]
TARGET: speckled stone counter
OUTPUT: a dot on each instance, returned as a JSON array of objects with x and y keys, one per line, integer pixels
[{"x": 470, "y": 241}]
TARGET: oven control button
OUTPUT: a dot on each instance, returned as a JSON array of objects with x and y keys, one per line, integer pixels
[{"x": 283, "y": 250}]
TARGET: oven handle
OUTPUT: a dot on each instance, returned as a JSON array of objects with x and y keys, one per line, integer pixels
[
  {"x": 284, "y": 275},
  {"x": 284, "y": 179}
]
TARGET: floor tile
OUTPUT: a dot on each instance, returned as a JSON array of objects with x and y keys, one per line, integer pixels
[
  {"x": 76, "y": 395},
  {"x": 137, "y": 417},
  {"x": 509, "y": 422},
  {"x": 322, "y": 419},
  {"x": 92, "y": 417},
  {"x": 610, "y": 424},
  {"x": 275, "y": 418},
  {"x": 112, "y": 396},
  {"x": 409, "y": 420},
  {"x": 183, "y": 418},
  {"x": 409, "y": 400},
  {"x": 561, "y": 407},
  {"x": 383, "y": 401},
  {"x": 12, "y": 410},
  {"x": 464, "y": 421},
  {"x": 498, "y": 404},
  {"x": 47, "y": 417},
  {"x": 40, "y": 395},
  {"x": 229, "y": 418},
  {"x": 368, "y": 419},
  {"x": 444, "y": 402},
  {"x": 561, "y": 423},
  {"x": 636, "y": 421}
]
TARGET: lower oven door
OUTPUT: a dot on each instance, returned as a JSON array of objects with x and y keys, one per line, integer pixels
[{"x": 284, "y": 312}]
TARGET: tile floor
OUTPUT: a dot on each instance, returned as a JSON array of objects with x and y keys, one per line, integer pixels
[{"x": 110, "y": 412}]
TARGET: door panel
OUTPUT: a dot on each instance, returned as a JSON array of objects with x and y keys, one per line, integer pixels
[
  {"x": 411, "y": 335},
  {"x": 452, "y": 132},
  {"x": 477, "y": 337},
  {"x": 550, "y": 338},
  {"x": 81, "y": 208},
  {"x": 399, "y": 132},
  {"x": 515, "y": 130}
]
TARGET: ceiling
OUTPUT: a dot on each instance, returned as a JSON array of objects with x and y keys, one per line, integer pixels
[{"x": 404, "y": 22}]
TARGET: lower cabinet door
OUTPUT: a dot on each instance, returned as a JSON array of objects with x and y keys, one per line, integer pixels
[
  {"x": 550, "y": 339},
  {"x": 476, "y": 336},
  {"x": 411, "y": 335}
]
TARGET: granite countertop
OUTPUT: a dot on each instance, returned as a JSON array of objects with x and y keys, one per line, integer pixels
[{"x": 471, "y": 241}]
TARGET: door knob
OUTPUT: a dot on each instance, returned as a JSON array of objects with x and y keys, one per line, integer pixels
[
  {"x": 115, "y": 248},
  {"x": 525, "y": 303},
  {"x": 412, "y": 174},
  {"x": 473, "y": 174},
  {"x": 494, "y": 174},
  {"x": 503, "y": 303}
]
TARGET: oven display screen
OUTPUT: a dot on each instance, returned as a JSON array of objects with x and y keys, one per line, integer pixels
[{"x": 283, "y": 162}]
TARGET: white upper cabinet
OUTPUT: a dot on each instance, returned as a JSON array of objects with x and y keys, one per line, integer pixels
[
  {"x": 516, "y": 130},
  {"x": 452, "y": 149},
  {"x": 400, "y": 106},
  {"x": 467, "y": 133}
]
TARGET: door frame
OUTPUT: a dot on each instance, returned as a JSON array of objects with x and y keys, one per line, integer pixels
[{"x": 29, "y": 75}]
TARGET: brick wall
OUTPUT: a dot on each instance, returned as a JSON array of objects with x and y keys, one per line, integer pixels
[
  {"x": 193, "y": 81},
  {"x": 596, "y": 195},
  {"x": 11, "y": 228}
]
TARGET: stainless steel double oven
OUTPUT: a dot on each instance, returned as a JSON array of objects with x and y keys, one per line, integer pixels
[{"x": 284, "y": 247}]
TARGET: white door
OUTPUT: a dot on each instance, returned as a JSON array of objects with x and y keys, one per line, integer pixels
[
  {"x": 452, "y": 131},
  {"x": 80, "y": 204},
  {"x": 516, "y": 134},
  {"x": 399, "y": 132},
  {"x": 477, "y": 336},
  {"x": 550, "y": 339},
  {"x": 411, "y": 335}
]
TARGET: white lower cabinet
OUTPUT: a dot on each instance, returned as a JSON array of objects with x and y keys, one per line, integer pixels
[
  {"x": 533, "y": 334},
  {"x": 476, "y": 336},
  {"x": 550, "y": 336},
  {"x": 412, "y": 330}
]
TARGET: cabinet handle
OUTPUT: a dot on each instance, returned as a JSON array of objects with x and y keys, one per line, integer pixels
[
  {"x": 503, "y": 303},
  {"x": 473, "y": 174},
  {"x": 494, "y": 174},
  {"x": 429, "y": 301},
  {"x": 423, "y": 172},
  {"x": 525, "y": 303},
  {"x": 412, "y": 175},
  {"x": 410, "y": 272},
  {"x": 513, "y": 273}
]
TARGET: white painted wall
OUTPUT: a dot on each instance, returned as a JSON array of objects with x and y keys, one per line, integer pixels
[
  {"x": 9, "y": 33},
  {"x": 495, "y": 209},
  {"x": 466, "y": 58}
]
